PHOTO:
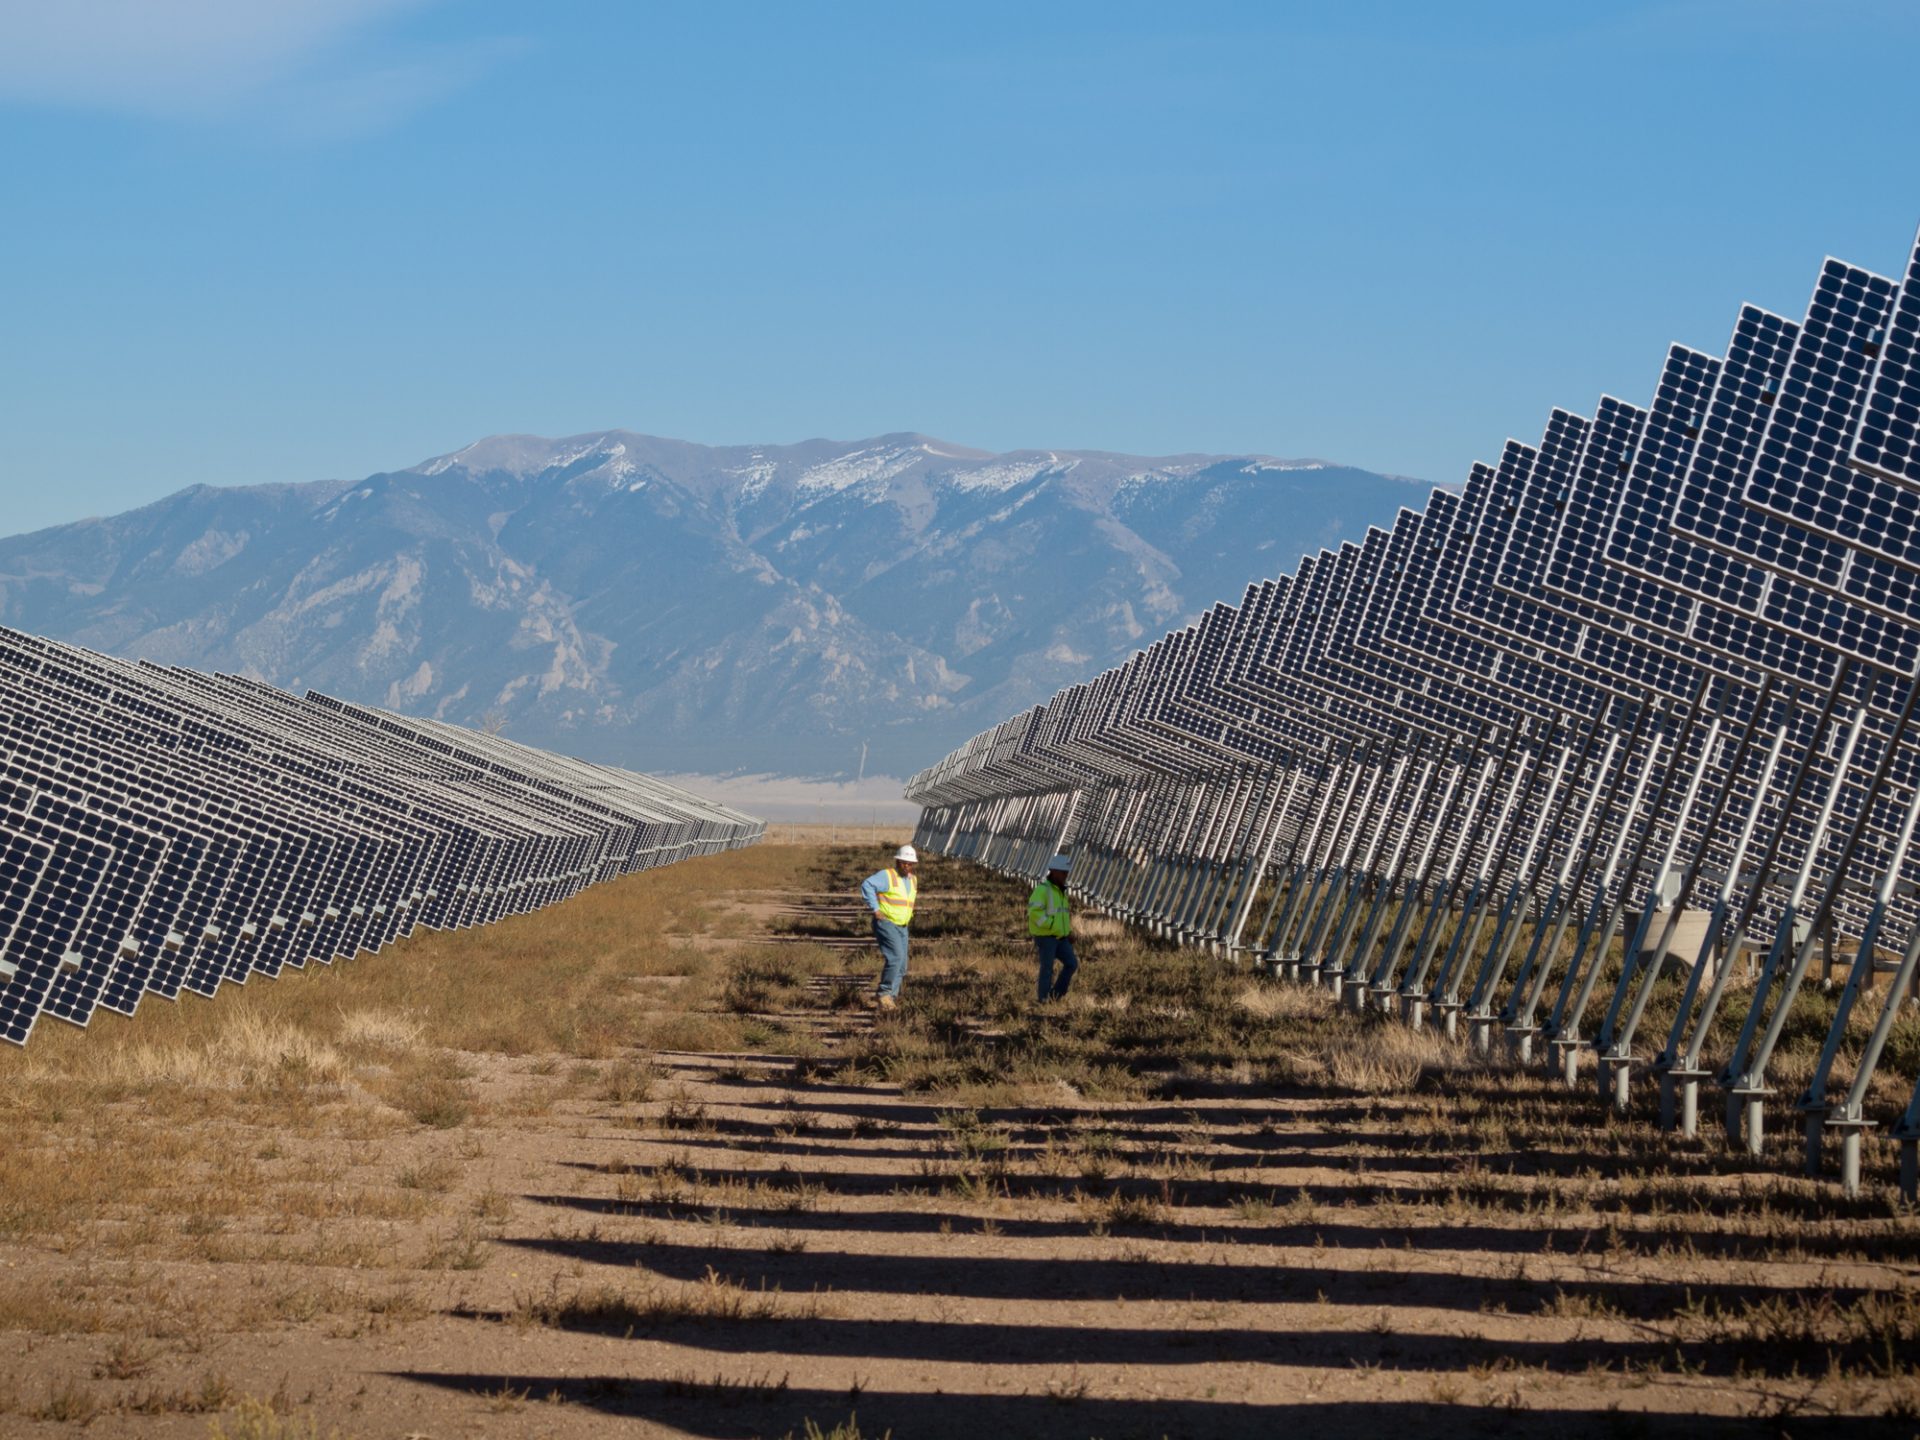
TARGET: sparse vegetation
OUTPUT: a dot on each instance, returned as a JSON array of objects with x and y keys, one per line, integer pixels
[{"x": 665, "y": 1111}]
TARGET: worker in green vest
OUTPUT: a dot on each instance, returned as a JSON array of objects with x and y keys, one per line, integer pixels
[
  {"x": 890, "y": 894},
  {"x": 1050, "y": 925}
]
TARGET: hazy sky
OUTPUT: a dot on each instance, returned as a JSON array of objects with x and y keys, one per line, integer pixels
[{"x": 246, "y": 242}]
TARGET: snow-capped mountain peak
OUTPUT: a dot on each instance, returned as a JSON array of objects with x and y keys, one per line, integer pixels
[{"x": 669, "y": 605}]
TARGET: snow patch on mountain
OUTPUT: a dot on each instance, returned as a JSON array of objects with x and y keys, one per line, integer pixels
[
  {"x": 869, "y": 468},
  {"x": 615, "y": 469},
  {"x": 754, "y": 477},
  {"x": 1139, "y": 480},
  {"x": 572, "y": 455},
  {"x": 996, "y": 477}
]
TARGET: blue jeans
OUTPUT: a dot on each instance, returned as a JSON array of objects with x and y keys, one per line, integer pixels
[
  {"x": 1049, "y": 948},
  {"x": 893, "y": 954}
]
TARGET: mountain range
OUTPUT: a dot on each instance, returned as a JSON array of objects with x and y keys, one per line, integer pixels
[{"x": 693, "y": 608}]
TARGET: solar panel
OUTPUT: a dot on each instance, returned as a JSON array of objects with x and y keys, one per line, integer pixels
[
  {"x": 1798, "y": 510},
  {"x": 1887, "y": 442},
  {"x": 166, "y": 830},
  {"x": 1663, "y": 653}
]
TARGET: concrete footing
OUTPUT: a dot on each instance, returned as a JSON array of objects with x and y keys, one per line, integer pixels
[
  {"x": 1616, "y": 1081},
  {"x": 1480, "y": 1034},
  {"x": 1566, "y": 1059},
  {"x": 1747, "y": 1120},
  {"x": 1680, "y": 1100}
]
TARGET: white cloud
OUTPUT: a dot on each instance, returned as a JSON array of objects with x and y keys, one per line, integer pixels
[{"x": 306, "y": 67}]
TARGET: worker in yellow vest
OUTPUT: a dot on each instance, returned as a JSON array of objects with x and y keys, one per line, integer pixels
[
  {"x": 890, "y": 894},
  {"x": 1050, "y": 924}
]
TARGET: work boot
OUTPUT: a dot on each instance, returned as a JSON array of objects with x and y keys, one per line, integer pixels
[{"x": 886, "y": 1002}]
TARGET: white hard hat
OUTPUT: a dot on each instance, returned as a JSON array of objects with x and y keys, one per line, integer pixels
[
  {"x": 908, "y": 854},
  {"x": 1060, "y": 862}
]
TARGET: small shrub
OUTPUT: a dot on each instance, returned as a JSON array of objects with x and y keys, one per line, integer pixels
[
  {"x": 441, "y": 1104},
  {"x": 629, "y": 1082}
]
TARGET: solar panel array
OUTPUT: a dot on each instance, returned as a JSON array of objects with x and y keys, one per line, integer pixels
[
  {"x": 1604, "y": 751},
  {"x": 163, "y": 830}
]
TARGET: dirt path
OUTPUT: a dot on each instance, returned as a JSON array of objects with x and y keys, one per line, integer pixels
[{"x": 739, "y": 1244}]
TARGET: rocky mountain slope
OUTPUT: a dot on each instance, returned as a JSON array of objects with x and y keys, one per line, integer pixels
[{"x": 684, "y": 607}]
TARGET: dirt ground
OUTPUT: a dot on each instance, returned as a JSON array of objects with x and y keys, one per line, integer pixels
[{"x": 1184, "y": 1203}]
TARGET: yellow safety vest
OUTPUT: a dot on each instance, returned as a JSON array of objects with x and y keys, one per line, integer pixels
[
  {"x": 1047, "y": 912},
  {"x": 896, "y": 901}
]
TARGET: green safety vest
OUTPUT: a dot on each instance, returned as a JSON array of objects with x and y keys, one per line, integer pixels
[
  {"x": 896, "y": 901},
  {"x": 1047, "y": 911}
]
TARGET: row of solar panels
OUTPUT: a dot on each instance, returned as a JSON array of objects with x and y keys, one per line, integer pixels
[
  {"x": 1653, "y": 675},
  {"x": 163, "y": 830}
]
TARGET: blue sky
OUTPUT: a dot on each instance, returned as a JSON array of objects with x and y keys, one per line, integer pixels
[{"x": 318, "y": 238}]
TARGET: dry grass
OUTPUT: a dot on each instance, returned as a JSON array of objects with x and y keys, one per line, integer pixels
[
  {"x": 319, "y": 1156},
  {"x": 256, "y": 1130},
  {"x": 1145, "y": 1021},
  {"x": 255, "y": 1419},
  {"x": 652, "y": 1302},
  {"x": 554, "y": 982}
]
